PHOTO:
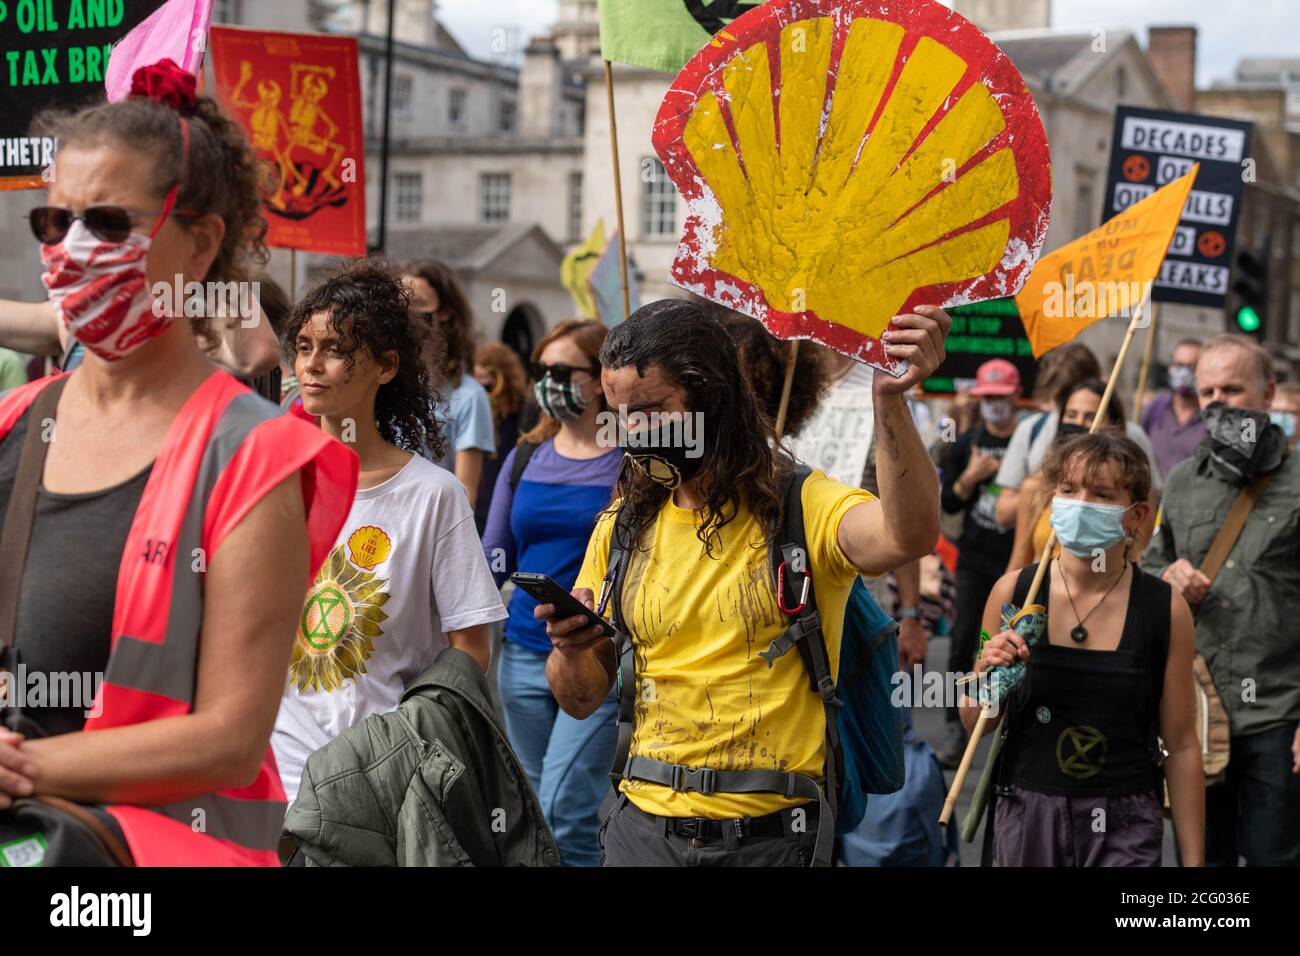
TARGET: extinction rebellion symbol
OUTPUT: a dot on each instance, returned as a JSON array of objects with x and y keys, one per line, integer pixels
[{"x": 1080, "y": 752}]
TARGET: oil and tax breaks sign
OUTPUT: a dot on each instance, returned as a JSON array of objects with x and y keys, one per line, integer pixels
[
  {"x": 1152, "y": 148},
  {"x": 53, "y": 54}
]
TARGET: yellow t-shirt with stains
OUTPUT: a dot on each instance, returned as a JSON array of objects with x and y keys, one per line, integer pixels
[{"x": 704, "y": 697}]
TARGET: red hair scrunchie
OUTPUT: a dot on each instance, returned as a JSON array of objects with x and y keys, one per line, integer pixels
[{"x": 165, "y": 82}]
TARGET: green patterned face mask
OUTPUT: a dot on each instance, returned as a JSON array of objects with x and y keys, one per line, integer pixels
[{"x": 564, "y": 402}]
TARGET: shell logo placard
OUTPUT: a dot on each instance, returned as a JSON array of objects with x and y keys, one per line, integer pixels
[{"x": 843, "y": 162}]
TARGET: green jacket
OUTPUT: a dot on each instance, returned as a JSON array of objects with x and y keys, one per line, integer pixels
[
  {"x": 434, "y": 783},
  {"x": 1246, "y": 627}
]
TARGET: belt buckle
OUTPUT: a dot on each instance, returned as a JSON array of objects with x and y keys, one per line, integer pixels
[{"x": 701, "y": 780}]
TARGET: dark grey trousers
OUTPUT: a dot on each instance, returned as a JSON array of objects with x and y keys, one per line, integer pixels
[
  {"x": 630, "y": 838},
  {"x": 1038, "y": 829}
]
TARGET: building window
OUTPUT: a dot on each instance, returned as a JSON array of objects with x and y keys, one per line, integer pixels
[
  {"x": 456, "y": 107},
  {"x": 658, "y": 201},
  {"x": 225, "y": 11},
  {"x": 575, "y": 206},
  {"x": 403, "y": 87},
  {"x": 1084, "y": 201},
  {"x": 506, "y": 116},
  {"x": 408, "y": 193},
  {"x": 494, "y": 197},
  {"x": 1121, "y": 83}
]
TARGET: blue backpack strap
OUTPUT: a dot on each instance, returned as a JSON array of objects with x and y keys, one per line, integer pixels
[{"x": 1037, "y": 427}]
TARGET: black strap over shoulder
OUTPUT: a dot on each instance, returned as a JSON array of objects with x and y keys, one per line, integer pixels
[
  {"x": 792, "y": 580},
  {"x": 797, "y": 599},
  {"x": 21, "y": 512},
  {"x": 1023, "y": 580},
  {"x": 621, "y": 542},
  {"x": 1154, "y": 621},
  {"x": 523, "y": 454}
]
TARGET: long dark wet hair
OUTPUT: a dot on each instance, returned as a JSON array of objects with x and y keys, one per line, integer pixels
[
  {"x": 369, "y": 309},
  {"x": 693, "y": 351}
]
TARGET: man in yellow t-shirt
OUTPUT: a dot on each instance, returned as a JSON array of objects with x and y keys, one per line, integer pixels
[{"x": 702, "y": 495}]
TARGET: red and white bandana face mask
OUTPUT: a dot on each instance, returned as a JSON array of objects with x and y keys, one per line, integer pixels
[{"x": 101, "y": 292}]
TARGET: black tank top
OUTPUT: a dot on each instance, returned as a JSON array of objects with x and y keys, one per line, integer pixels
[
  {"x": 1084, "y": 722},
  {"x": 65, "y": 609}
]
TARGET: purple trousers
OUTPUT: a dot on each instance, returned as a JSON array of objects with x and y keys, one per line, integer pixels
[{"x": 1040, "y": 829}]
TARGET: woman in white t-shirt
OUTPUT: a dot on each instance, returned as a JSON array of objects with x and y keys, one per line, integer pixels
[{"x": 407, "y": 576}]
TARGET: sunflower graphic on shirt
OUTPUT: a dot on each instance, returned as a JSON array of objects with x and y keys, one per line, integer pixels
[{"x": 342, "y": 614}]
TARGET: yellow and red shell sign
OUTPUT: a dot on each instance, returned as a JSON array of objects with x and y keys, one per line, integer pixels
[{"x": 843, "y": 162}]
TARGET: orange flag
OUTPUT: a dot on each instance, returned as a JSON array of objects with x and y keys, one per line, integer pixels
[{"x": 1105, "y": 273}]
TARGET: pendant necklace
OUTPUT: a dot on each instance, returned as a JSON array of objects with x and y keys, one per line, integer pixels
[{"x": 1079, "y": 633}]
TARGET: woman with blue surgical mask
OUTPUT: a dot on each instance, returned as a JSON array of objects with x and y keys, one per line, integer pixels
[{"x": 1104, "y": 718}]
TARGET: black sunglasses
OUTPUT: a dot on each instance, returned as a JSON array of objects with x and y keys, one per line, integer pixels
[
  {"x": 50, "y": 224},
  {"x": 560, "y": 374}
]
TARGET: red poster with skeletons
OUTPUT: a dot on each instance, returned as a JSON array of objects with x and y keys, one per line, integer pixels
[
  {"x": 298, "y": 98},
  {"x": 844, "y": 161}
]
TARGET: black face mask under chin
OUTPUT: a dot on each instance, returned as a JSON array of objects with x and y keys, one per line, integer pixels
[
  {"x": 664, "y": 454},
  {"x": 1243, "y": 443}
]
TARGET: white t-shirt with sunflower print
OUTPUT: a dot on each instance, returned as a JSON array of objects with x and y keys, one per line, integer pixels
[{"x": 407, "y": 568}]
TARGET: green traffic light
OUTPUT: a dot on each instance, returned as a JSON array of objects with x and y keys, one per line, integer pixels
[{"x": 1247, "y": 319}]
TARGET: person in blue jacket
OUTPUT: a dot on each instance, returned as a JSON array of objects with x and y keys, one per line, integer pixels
[{"x": 540, "y": 521}]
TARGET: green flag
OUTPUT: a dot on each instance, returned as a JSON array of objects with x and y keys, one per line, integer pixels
[{"x": 662, "y": 34}]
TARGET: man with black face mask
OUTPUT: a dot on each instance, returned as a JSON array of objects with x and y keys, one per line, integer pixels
[
  {"x": 726, "y": 737},
  {"x": 1246, "y": 614}
]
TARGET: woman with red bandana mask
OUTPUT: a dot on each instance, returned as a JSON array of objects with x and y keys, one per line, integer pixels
[{"x": 161, "y": 543}]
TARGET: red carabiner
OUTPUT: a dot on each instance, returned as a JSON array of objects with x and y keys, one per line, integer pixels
[{"x": 780, "y": 591}]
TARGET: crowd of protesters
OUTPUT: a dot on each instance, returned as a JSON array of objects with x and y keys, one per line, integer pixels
[{"x": 312, "y": 639}]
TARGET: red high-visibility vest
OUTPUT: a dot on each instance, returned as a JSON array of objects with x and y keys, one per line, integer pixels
[{"x": 226, "y": 449}]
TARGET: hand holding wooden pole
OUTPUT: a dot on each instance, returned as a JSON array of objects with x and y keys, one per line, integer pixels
[{"x": 988, "y": 713}]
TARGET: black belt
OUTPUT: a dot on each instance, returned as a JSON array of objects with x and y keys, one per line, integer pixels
[{"x": 704, "y": 830}]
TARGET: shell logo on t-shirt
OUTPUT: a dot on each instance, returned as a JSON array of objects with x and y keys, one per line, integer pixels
[
  {"x": 341, "y": 618},
  {"x": 369, "y": 547}
]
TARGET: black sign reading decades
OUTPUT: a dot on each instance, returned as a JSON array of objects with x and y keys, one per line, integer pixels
[
  {"x": 983, "y": 331},
  {"x": 1152, "y": 148},
  {"x": 53, "y": 54}
]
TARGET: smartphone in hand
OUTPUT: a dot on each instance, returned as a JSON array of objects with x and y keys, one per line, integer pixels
[{"x": 546, "y": 591}]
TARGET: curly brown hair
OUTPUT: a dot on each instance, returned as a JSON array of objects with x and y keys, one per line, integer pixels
[
  {"x": 458, "y": 328},
  {"x": 222, "y": 176},
  {"x": 369, "y": 309},
  {"x": 1092, "y": 452},
  {"x": 764, "y": 358},
  {"x": 693, "y": 351}
]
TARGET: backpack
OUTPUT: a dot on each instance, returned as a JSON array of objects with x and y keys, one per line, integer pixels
[
  {"x": 864, "y": 731},
  {"x": 523, "y": 454},
  {"x": 902, "y": 829},
  {"x": 1036, "y": 428}
]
